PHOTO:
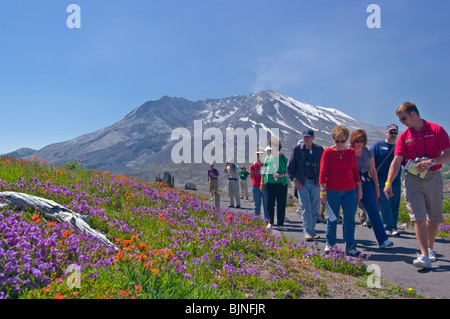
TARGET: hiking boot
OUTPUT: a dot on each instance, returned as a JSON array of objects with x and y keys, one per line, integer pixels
[{"x": 422, "y": 261}]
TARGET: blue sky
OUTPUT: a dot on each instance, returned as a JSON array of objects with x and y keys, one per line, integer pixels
[{"x": 58, "y": 83}]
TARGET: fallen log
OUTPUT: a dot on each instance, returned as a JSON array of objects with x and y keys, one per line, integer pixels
[{"x": 51, "y": 211}]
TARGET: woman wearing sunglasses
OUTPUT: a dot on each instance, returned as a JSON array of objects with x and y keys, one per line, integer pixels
[
  {"x": 370, "y": 187},
  {"x": 340, "y": 185}
]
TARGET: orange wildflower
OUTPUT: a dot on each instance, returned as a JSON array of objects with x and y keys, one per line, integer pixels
[
  {"x": 141, "y": 246},
  {"x": 126, "y": 243},
  {"x": 142, "y": 258},
  {"x": 36, "y": 219},
  {"x": 66, "y": 234},
  {"x": 46, "y": 289},
  {"x": 155, "y": 271}
]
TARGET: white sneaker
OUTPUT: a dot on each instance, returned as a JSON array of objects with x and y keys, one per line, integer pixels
[
  {"x": 422, "y": 261},
  {"x": 269, "y": 226},
  {"x": 431, "y": 255},
  {"x": 327, "y": 249}
]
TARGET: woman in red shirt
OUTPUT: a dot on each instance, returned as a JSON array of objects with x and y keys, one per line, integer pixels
[{"x": 340, "y": 185}]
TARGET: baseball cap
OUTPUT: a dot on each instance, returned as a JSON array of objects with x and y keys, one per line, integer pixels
[
  {"x": 309, "y": 133},
  {"x": 391, "y": 127}
]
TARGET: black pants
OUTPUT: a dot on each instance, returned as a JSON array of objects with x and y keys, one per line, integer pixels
[{"x": 278, "y": 192}]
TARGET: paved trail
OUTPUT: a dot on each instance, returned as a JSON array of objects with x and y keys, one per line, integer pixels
[{"x": 396, "y": 263}]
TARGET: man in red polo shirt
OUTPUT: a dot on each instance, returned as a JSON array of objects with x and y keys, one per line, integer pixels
[{"x": 427, "y": 146}]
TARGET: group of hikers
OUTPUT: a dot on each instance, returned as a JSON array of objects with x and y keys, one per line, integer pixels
[{"x": 348, "y": 175}]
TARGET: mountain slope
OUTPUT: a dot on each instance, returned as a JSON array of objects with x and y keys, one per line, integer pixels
[{"x": 140, "y": 144}]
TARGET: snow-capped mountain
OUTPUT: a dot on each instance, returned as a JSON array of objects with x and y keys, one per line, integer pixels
[{"x": 141, "y": 144}]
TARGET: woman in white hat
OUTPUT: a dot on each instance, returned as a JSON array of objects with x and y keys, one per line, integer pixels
[{"x": 275, "y": 180}]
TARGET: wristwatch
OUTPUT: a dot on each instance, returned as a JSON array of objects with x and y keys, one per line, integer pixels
[{"x": 433, "y": 162}]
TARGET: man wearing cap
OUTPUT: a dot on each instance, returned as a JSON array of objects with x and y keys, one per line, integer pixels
[
  {"x": 384, "y": 154},
  {"x": 303, "y": 168},
  {"x": 213, "y": 179},
  {"x": 231, "y": 170},
  {"x": 425, "y": 146}
]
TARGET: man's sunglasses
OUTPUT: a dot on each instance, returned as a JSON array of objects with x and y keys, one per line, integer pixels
[{"x": 393, "y": 133}]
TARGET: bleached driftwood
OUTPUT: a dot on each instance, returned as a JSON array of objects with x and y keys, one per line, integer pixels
[{"x": 52, "y": 211}]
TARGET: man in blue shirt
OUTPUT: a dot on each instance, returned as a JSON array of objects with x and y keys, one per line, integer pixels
[
  {"x": 384, "y": 154},
  {"x": 303, "y": 168}
]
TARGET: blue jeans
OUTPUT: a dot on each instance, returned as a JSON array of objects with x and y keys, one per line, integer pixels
[
  {"x": 260, "y": 197},
  {"x": 390, "y": 206},
  {"x": 370, "y": 204},
  {"x": 309, "y": 198},
  {"x": 346, "y": 199}
]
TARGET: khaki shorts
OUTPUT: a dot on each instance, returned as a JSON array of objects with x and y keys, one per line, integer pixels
[
  {"x": 214, "y": 185},
  {"x": 425, "y": 198}
]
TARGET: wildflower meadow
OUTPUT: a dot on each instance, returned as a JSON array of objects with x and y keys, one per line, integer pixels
[{"x": 166, "y": 243}]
